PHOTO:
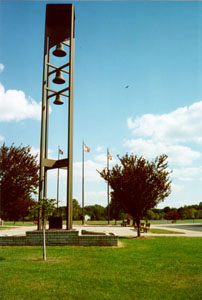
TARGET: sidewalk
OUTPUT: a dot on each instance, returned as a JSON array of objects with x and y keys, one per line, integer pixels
[
  {"x": 18, "y": 230},
  {"x": 129, "y": 231},
  {"x": 190, "y": 230}
]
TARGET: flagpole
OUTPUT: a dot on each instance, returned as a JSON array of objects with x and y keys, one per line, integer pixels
[
  {"x": 83, "y": 183},
  {"x": 58, "y": 178},
  {"x": 108, "y": 210}
]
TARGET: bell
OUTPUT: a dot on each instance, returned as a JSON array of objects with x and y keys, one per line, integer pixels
[
  {"x": 59, "y": 51},
  {"x": 58, "y": 78},
  {"x": 58, "y": 100}
]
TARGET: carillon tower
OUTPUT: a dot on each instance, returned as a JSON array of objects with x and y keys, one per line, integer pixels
[{"x": 58, "y": 42}]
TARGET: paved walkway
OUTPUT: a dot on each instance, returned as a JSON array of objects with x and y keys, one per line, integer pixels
[
  {"x": 17, "y": 230},
  {"x": 189, "y": 229}
]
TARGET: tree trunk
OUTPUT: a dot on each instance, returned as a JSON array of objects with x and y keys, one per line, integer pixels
[
  {"x": 44, "y": 240},
  {"x": 138, "y": 227}
]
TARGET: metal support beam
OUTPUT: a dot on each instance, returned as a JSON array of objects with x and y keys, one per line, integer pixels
[
  {"x": 70, "y": 126},
  {"x": 55, "y": 164},
  {"x": 43, "y": 114}
]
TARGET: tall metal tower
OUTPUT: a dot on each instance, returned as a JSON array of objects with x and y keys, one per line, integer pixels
[{"x": 58, "y": 42}]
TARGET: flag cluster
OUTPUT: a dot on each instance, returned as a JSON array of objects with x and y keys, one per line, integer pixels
[{"x": 87, "y": 149}]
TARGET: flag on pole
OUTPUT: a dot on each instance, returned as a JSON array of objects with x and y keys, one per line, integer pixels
[
  {"x": 60, "y": 151},
  {"x": 86, "y": 148},
  {"x": 109, "y": 156}
]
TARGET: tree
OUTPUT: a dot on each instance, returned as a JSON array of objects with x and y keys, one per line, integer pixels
[
  {"x": 166, "y": 209},
  {"x": 44, "y": 208},
  {"x": 138, "y": 185},
  {"x": 191, "y": 212},
  {"x": 77, "y": 210},
  {"x": 182, "y": 213},
  {"x": 96, "y": 212},
  {"x": 61, "y": 211},
  {"x": 116, "y": 211},
  {"x": 173, "y": 215},
  {"x": 150, "y": 215},
  {"x": 200, "y": 206},
  {"x": 18, "y": 176}
]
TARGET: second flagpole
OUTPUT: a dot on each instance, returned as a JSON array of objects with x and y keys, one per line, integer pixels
[
  {"x": 108, "y": 210},
  {"x": 83, "y": 217}
]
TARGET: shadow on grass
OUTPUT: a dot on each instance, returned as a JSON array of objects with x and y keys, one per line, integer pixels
[{"x": 2, "y": 258}]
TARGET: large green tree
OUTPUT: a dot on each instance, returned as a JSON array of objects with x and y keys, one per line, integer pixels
[
  {"x": 96, "y": 212},
  {"x": 77, "y": 210},
  {"x": 116, "y": 211},
  {"x": 18, "y": 179},
  {"x": 138, "y": 185}
]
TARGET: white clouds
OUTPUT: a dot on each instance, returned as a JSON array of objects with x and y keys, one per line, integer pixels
[
  {"x": 93, "y": 197},
  {"x": 174, "y": 134},
  {"x": 177, "y": 154},
  {"x": 182, "y": 125},
  {"x": 1, "y": 68},
  {"x": 14, "y": 106},
  {"x": 91, "y": 175},
  {"x": 176, "y": 188},
  {"x": 188, "y": 174},
  {"x": 99, "y": 149},
  {"x": 96, "y": 197},
  {"x": 2, "y": 138},
  {"x": 170, "y": 133},
  {"x": 101, "y": 158},
  {"x": 35, "y": 151}
]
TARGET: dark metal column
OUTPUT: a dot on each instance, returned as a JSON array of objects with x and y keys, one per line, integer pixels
[{"x": 70, "y": 126}]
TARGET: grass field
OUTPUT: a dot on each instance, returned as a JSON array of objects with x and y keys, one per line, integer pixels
[
  {"x": 5, "y": 227},
  {"x": 156, "y": 268},
  {"x": 18, "y": 223},
  {"x": 164, "y": 231}
]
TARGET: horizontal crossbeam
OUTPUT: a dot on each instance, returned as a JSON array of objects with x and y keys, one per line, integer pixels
[{"x": 55, "y": 164}]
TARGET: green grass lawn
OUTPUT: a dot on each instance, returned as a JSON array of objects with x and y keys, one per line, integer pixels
[
  {"x": 153, "y": 268},
  {"x": 5, "y": 227},
  {"x": 18, "y": 223},
  {"x": 165, "y": 231}
]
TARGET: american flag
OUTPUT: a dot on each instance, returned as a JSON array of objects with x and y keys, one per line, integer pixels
[
  {"x": 60, "y": 152},
  {"x": 86, "y": 148}
]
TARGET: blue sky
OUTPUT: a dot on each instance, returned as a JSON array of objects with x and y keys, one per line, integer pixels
[{"x": 154, "y": 47}]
